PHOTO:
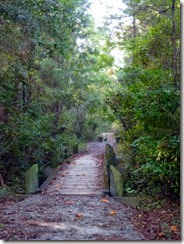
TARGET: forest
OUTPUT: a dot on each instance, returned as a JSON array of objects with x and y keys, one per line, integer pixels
[{"x": 61, "y": 86}]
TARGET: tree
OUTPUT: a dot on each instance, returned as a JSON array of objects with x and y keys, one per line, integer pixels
[{"x": 146, "y": 100}]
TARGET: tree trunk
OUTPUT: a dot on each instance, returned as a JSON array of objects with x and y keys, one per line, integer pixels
[
  {"x": 134, "y": 26},
  {"x": 173, "y": 38},
  {"x": 1, "y": 181},
  {"x": 23, "y": 95}
]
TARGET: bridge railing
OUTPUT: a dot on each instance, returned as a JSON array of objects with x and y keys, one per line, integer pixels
[{"x": 113, "y": 179}]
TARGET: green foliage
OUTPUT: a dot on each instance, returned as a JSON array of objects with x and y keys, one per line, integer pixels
[
  {"x": 5, "y": 192},
  {"x": 147, "y": 99},
  {"x": 59, "y": 84},
  {"x": 45, "y": 83}
]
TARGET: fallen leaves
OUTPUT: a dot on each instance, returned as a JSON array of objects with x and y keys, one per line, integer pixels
[
  {"x": 70, "y": 202},
  {"x": 113, "y": 212},
  {"x": 161, "y": 234},
  {"x": 159, "y": 223},
  {"x": 79, "y": 215},
  {"x": 104, "y": 200},
  {"x": 173, "y": 228}
]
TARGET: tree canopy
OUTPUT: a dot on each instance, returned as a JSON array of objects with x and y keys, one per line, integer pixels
[{"x": 60, "y": 86}]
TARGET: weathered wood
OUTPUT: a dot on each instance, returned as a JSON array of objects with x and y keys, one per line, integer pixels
[
  {"x": 48, "y": 180},
  {"x": 110, "y": 155},
  {"x": 32, "y": 179},
  {"x": 81, "y": 177},
  {"x": 110, "y": 159},
  {"x": 106, "y": 186},
  {"x": 116, "y": 182},
  {"x": 113, "y": 179}
]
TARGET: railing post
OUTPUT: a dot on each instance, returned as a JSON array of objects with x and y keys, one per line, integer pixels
[
  {"x": 110, "y": 159},
  {"x": 32, "y": 179},
  {"x": 114, "y": 180}
]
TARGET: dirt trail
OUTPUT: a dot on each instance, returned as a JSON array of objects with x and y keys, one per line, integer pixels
[{"x": 71, "y": 208}]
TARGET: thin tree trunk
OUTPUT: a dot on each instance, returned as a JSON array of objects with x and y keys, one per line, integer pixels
[
  {"x": 173, "y": 38},
  {"x": 134, "y": 32},
  {"x": 23, "y": 95},
  {"x": 134, "y": 26},
  {"x": 1, "y": 181}
]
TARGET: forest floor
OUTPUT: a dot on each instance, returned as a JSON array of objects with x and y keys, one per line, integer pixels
[{"x": 73, "y": 207}]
